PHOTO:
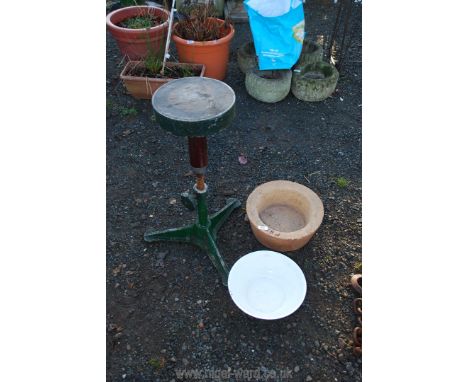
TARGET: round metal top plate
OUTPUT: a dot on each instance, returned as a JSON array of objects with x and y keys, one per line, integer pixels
[{"x": 193, "y": 99}]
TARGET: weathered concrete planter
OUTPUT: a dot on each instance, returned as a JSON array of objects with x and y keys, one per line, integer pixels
[
  {"x": 314, "y": 82},
  {"x": 268, "y": 85},
  {"x": 144, "y": 87},
  {"x": 284, "y": 215},
  {"x": 247, "y": 57},
  {"x": 312, "y": 52}
]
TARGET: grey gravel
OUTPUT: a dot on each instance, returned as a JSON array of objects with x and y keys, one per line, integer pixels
[{"x": 154, "y": 307}]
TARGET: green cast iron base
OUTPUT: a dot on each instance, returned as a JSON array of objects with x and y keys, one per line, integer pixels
[{"x": 203, "y": 233}]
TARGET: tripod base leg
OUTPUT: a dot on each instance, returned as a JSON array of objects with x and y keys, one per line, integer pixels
[
  {"x": 218, "y": 218},
  {"x": 217, "y": 259},
  {"x": 202, "y": 234},
  {"x": 182, "y": 234}
]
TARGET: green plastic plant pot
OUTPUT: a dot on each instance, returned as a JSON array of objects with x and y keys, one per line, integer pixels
[
  {"x": 314, "y": 82},
  {"x": 268, "y": 85}
]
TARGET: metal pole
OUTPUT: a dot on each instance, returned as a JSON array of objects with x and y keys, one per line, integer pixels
[
  {"x": 202, "y": 209},
  {"x": 169, "y": 32}
]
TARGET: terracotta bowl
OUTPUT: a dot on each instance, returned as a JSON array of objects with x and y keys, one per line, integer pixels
[{"x": 284, "y": 215}]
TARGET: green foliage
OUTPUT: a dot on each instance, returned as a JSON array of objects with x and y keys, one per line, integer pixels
[
  {"x": 156, "y": 363},
  {"x": 358, "y": 267},
  {"x": 186, "y": 72},
  {"x": 128, "y": 3},
  {"x": 138, "y": 22},
  {"x": 342, "y": 182},
  {"x": 128, "y": 111},
  {"x": 153, "y": 63}
]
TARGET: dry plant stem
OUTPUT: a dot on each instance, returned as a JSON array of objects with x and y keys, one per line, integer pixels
[{"x": 199, "y": 23}]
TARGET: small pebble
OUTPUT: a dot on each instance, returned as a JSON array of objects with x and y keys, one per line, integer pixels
[
  {"x": 341, "y": 343},
  {"x": 296, "y": 369}
]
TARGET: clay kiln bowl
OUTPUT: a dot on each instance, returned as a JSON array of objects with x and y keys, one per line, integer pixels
[{"x": 284, "y": 215}]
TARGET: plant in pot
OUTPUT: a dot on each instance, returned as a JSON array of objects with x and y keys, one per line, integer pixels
[
  {"x": 218, "y": 4},
  {"x": 112, "y": 5},
  {"x": 138, "y": 28},
  {"x": 142, "y": 78},
  {"x": 202, "y": 38}
]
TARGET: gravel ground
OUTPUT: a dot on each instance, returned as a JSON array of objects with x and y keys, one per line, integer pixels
[{"x": 166, "y": 308}]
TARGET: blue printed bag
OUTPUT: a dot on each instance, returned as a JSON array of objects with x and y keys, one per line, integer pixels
[{"x": 278, "y": 31}]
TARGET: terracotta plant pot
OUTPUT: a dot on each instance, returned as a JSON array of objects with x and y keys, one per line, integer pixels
[
  {"x": 284, "y": 215},
  {"x": 144, "y": 87},
  {"x": 137, "y": 43},
  {"x": 213, "y": 54}
]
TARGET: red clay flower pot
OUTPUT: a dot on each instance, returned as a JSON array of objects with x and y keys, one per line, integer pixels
[
  {"x": 213, "y": 54},
  {"x": 137, "y": 43},
  {"x": 144, "y": 87}
]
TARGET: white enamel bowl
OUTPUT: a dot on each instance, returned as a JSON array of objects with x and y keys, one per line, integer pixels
[{"x": 267, "y": 285}]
